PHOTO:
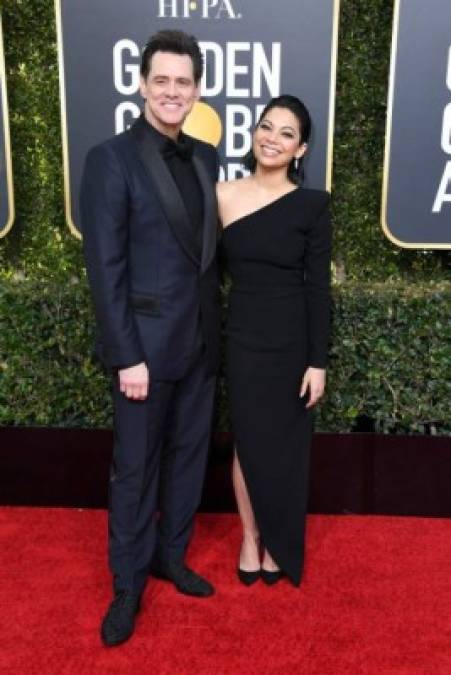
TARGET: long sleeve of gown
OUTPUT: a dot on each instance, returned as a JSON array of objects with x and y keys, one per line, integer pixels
[{"x": 317, "y": 282}]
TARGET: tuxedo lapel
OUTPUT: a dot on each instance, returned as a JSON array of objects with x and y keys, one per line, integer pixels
[
  {"x": 167, "y": 190},
  {"x": 209, "y": 232}
]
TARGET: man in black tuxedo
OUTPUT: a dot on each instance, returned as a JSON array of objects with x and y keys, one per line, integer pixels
[{"x": 149, "y": 225}]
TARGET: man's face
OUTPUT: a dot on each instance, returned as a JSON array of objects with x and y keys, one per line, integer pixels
[{"x": 169, "y": 90}]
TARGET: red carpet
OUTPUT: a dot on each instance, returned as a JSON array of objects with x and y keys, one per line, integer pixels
[{"x": 376, "y": 599}]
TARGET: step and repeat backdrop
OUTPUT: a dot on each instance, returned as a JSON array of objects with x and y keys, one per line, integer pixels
[
  {"x": 6, "y": 182},
  {"x": 416, "y": 204},
  {"x": 254, "y": 51}
]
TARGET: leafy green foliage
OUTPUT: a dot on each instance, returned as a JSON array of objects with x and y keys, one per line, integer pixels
[
  {"x": 39, "y": 244},
  {"x": 48, "y": 375},
  {"x": 389, "y": 359}
]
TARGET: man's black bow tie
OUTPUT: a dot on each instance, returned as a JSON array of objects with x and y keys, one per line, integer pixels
[{"x": 182, "y": 148}]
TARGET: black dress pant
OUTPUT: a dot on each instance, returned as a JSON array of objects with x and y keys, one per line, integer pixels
[{"x": 159, "y": 459}]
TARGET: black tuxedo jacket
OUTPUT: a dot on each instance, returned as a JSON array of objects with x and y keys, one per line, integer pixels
[{"x": 155, "y": 288}]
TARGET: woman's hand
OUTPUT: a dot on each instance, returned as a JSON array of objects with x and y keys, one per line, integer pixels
[{"x": 315, "y": 380}]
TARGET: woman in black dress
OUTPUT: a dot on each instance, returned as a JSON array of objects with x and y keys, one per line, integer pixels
[{"x": 276, "y": 245}]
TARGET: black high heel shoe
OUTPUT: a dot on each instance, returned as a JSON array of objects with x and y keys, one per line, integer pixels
[
  {"x": 270, "y": 578},
  {"x": 248, "y": 577}
]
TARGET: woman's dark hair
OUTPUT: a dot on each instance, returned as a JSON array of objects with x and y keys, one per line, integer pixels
[
  {"x": 295, "y": 173},
  {"x": 174, "y": 42}
]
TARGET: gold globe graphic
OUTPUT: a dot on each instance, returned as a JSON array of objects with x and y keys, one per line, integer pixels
[{"x": 204, "y": 123}]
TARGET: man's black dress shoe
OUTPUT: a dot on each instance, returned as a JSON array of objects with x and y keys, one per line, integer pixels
[
  {"x": 271, "y": 578},
  {"x": 248, "y": 577},
  {"x": 119, "y": 621},
  {"x": 185, "y": 580}
]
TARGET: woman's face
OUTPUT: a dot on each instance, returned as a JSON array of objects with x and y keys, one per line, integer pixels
[{"x": 277, "y": 138}]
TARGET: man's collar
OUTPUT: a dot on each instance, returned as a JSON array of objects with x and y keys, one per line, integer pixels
[{"x": 162, "y": 140}]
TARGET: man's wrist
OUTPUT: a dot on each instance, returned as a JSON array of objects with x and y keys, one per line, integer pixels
[{"x": 130, "y": 365}]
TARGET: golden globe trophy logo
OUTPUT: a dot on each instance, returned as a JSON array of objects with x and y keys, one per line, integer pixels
[
  {"x": 203, "y": 9},
  {"x": 238, "y": 72}
]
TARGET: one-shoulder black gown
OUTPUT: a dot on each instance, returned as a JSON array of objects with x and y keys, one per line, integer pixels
[{"x": 278, "y": 258}]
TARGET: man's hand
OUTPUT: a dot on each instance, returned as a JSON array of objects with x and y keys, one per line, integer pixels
[
  {"x": 315, "y": 380},
  {"x": 134, "y": 382}
]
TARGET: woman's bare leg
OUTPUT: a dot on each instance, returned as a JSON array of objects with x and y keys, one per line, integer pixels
[
  {"x": 249, "y": 554},
  {"x": 268, "y": 563}
]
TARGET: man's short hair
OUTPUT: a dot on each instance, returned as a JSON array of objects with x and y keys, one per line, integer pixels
[{"x": 174, "y": 42}]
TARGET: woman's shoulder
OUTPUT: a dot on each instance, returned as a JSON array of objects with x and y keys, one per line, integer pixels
[
  {"x": 314, "y": 202},
  {"x": 230, "y": 187},
  {"x": 319, "y": 197}
]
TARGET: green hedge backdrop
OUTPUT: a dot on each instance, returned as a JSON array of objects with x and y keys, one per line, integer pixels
[{"x": 390, "y": 363}]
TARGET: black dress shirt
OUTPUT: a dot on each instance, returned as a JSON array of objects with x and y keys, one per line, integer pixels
[{"x": 177, "y": 156}]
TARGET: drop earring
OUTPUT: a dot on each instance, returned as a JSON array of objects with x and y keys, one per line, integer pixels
[{"x": 296, "y": 163}]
